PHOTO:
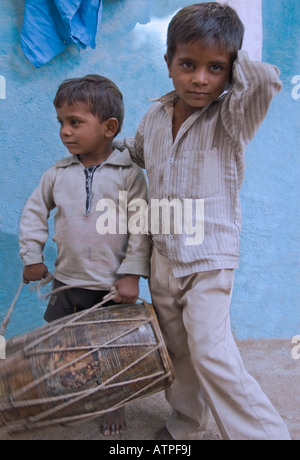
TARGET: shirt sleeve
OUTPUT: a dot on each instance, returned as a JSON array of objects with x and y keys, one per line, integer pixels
[
  {"x": 34, "y": 220},
  {"x": 254, "y": 84},
  {"x": 137, "y": 259}
]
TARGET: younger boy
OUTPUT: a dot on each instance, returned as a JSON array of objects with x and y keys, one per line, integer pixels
[
  {"x": 90, "y": 112},
  {"x": 192, "y": 144}
]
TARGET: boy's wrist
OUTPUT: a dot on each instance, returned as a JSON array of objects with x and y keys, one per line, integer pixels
[
  {"x": 32, "y": 256},
  {"x": 34, "y": 272},
  {"x": 135, "y": 265},
  {"x": 132, "y": 276},
  {"x": 127, "y": 289}
]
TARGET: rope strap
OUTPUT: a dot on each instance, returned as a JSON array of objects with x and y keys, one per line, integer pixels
[
  {"x": 110, "y": 296},
  {"x": 11, "y": 309}
]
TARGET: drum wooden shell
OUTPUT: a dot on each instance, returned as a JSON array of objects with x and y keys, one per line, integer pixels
[{"x": 82, "y": 366}]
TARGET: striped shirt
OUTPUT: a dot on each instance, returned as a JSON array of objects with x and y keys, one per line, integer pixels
[{"x": 205, "y": 164}]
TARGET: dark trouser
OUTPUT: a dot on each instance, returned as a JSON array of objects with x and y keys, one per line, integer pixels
[{"x": 72, "y": 300}]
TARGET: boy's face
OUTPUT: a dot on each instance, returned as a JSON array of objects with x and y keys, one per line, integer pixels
[
  {"x": 81, "y": 132},
  {"x": 200, "y": 74}
]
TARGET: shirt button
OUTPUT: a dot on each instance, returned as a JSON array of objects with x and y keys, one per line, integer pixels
[
  {"x": 171, "y": 160},
  {"x": 171, "y": 237}
]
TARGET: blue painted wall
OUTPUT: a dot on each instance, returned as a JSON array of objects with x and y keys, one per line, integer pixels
[{"x": 130, "y": 48}]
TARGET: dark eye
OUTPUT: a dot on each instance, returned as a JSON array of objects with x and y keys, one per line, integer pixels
[
  {"x": 216, "y": 67},
  {"x": 74, "y": 122},
  {"x": 187, "y": 65}
]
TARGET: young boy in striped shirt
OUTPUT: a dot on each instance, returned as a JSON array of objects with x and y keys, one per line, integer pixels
[{"x": 192, "y": 144}]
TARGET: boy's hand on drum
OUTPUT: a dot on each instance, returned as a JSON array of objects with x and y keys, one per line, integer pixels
[
  {"x": 35, "y": 272},
  {"x": 127, "y": 289}
]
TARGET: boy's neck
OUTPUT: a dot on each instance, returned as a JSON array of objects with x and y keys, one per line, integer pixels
[
  {"x": 181, "y": 114},
  {"x": 94, "y": 159}
]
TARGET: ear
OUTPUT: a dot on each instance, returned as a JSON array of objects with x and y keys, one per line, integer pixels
[
  {"x": 169, "y": 65},
  {"x": 112, "y": 126}
]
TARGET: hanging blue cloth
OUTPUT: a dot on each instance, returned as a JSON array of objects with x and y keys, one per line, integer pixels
[{"x": 52, "y": 25}]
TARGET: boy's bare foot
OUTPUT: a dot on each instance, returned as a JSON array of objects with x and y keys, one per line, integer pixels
[
  {"x": 115, "y": 422},
  {"x": 164, "y": 435}
]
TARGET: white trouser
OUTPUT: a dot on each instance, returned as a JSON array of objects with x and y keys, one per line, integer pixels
[{"x": 193, "y": 312}]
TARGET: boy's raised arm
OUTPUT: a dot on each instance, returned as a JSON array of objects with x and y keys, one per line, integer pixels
[{"x": 254, "y": 84}]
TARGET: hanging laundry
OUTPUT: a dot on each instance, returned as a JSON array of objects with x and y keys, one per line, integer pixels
[{"x": 51, "y": 25}]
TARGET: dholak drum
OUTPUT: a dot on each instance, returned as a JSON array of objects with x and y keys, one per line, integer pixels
[{"x": 82, "y": 366}]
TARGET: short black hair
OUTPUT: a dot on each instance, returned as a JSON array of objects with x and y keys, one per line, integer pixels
[
  {"x": 208, "y": 23},
  {"x": 102, "y": 96}
]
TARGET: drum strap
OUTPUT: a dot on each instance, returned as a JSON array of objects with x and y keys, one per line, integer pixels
[
  {"x": 11, "y": 309},
  {"x": 109, "y": 296}
]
